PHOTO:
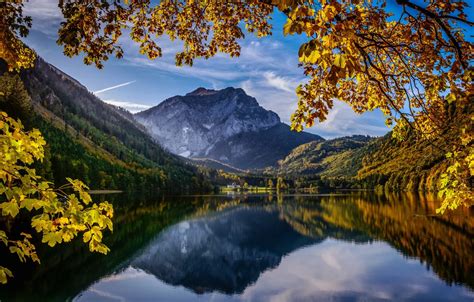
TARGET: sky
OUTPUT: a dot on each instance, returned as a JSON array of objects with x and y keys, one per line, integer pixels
[{"x": 267, "y": 70}]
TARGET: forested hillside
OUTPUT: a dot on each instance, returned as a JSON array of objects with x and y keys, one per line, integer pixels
[
  {"x": 91, "y": 140},
  {"x": 340, "y": 157},
  {"x": 410, "y": 165},
  {"x": 368, "y": 163}
]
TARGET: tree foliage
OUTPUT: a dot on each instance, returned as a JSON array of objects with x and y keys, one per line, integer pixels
[
  {"x": 281, "y": 185},
  {"x": 411, "y": 61},
  {"x": 14, "y": 25},
  {"x": 59, "y": 214},
  {"x": 14, "y": 98},
  {"x": 414, "y": 67}
]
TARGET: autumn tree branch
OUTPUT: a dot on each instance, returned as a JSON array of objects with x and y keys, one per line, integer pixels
[{"x": 439, "y": 21}]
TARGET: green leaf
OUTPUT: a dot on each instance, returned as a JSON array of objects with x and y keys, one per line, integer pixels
[
  {"x": 87, "y": 236},
  {"x": 10, "y": 208},
  {"x": 30, "y": 203},
  {"x": 287, "y": 27},
  {"x": 52, "y": 238},
  {"x": 340, "y": 61},
  {"x": 4, "y": 274},
  {"x": 4, "y": 238}
]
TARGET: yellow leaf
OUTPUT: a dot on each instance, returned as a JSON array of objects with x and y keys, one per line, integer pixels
[
  {"x": 340, "y": 61},
  {"x": 4, "y": 274}
]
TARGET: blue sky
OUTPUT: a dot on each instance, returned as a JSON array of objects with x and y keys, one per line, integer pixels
[{"x": 267, "y": 69}]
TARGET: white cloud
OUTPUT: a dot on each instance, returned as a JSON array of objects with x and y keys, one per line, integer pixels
[
  {"x": 44, "y": 9},
  {"x": 46, "y": 15},
  {"x": 258, "y": 59},
  {"x": 130, "y": 106},
  {"x": 198, "y": 72},
  {"x": 278, "y": 100},
  {"x": 279, "y": 82},
  {"x": 113, "y": 87},
  {"x": 342, "y": 121},
  {"x": 107, "y": 295}
]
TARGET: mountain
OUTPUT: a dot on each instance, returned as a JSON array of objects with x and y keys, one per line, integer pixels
[
  {"x": 409, "y": 165},
  {"x": 214, "y": 164},
  {"x": 365, "y": 162},
  {"x": 340, "y": 157},
  {"x": 225, "y": 125},
  {"x": 88, "y": 139}
]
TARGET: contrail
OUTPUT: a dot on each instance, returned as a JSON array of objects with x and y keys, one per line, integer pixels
[{"x": 114, "y": 87}]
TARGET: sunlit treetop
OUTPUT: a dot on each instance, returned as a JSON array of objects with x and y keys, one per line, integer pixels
[
  {"x": 411, "y": 65},
  {"x": 204, "y": 27}
]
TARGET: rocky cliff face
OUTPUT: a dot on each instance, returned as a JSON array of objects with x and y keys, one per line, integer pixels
[{"x": 226, "y": 125}]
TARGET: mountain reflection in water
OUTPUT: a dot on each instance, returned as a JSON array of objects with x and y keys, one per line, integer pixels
[
  {"x": 261, "y": 248},
  {"x": 226, "y": 252}
]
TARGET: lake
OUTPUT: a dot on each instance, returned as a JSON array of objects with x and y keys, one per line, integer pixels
[{"x": 335, "y": 247}]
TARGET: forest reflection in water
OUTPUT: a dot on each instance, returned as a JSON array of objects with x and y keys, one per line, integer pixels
[{"x": 294, "y": 247}]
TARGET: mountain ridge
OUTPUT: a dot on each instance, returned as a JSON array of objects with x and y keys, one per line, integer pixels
[
  {"x": 225, "y": 125},
  {"x": 337, "y": 157}
]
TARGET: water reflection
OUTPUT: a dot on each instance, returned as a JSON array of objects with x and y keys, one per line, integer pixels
[
  {"x": 261, "y": 248},
  {"x": 225, "y": 252}
]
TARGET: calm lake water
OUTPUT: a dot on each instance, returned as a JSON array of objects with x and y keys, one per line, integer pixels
[{"x": 341, "y": 247}]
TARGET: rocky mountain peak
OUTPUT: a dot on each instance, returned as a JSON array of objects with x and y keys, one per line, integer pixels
[
  {"x": 195, "y": 124},
  {"x": 201, "y": 91}
]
